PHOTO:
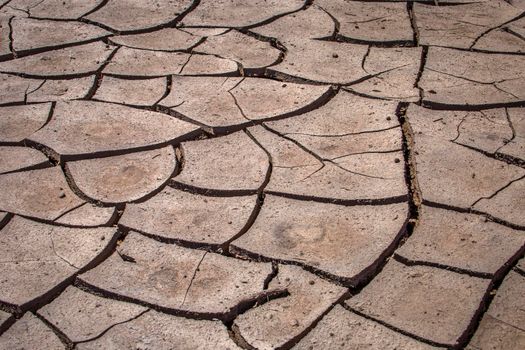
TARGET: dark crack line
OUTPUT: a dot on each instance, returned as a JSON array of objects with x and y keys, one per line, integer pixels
[
  {"x": 76, "y": 190},
  {"x": 290, "y": 343},
  {"x": 44, "y": 49},
  {"x": 345, "y": 134},
  {"x": 169, "y": 24},
  {"x": 413, "y": 23},
  {"x": 169, "y": 85},
  {"x": 423, "y": 62},
  {"x": 320, "y": 159},
  {"x": 498, "y": 191},
  {"x": 409, "y": 262},
  {"x": 342, "y": 202},
  {"x": 494, "y": 28},
  {"x": 306, "y": 4},
  {"x": 5, "y": 220},
  {"x": 192, "y": 278},
  {"x": 395, "y": 329},
  {"x": 69, "y": 211},
  {"x": 100, "y": 5},
  {"x": 357, "y": 281},
  {"x": 211, "y": 192},
  {"x": 112, "y": 326},
  {"x": 274, "y": 42},
  {"x": 473, "y": 211},
  {"x": 241, "y": 307},
  {"x": 337, "y": 25},
  {"x": 487, "y": 299},
  {"x": 383, "y": 44},
  {"x": 363, "y": 61},
  {"x": 42, "y": 165},
  {"x": 10, "y": 37},
  {"x": 497, "y": 156},
  {"x": 52, "y": 293},
  {"x": 68, "y": 343}
]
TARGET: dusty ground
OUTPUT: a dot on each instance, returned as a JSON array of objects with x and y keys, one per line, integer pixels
[{"x": 269, "y": 174}]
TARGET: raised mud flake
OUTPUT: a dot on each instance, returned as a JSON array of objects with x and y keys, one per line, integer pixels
[
  {"x": 202, "y": 64},
  {"x": 515, "y": 147},
  {"x": 123, "y": 178},
  {"x": 82, "y": 59},
  {"x": 460, "y": 26},
  {"x": 346, "y": 243},
  {"x": 30, "y": 333},
  {"x": 86, "y": 127},
  {"x": 241, "y": 48},
  {"x": 312, "y": 23},
  {"x": 255, "y": 96},
  {"x": 220, "y": 102},
  {"x": 279, "y": 321},
  {"x": 371, "y": 22},
  {"x": 146, "y": 63},
  {"x": 457, "y": 78},
  {"x": 342, "y": 329},
  {"x": 32, "y": 34},
  {"x": 345, "y": 114},
  {"x": 507, "y": 204},
  {"x": 502, "y": 324},
  {"x": 323, "y": 61},
  {"x": 501, "y": 40},
  {"x": 238, "y": 13},
  {"x": 164, "y": 332},
  {"x": 87, "y": 215},
  {"x": 460, "y": 181},
  {"x": 18, "y": 158},
  {"x": 83, "y": 316},
  {"x": 337, "y": 147},
  {"x": 129, "y": 15},
  {"x": 4, "y": 317},
  {"x": 185, "y": 280},
  {"x": 464, "y": 241},
  {"x": 394, "y": 71},
  {"x": 136, "y": 62},
  {"x": 487, "y": 130},
  {"x": 370, "y": 176},
  {"x": 230, "y": 163},
  {"x": 494, "y": 334},
  {"x": 37, "y": 258},
  {"x": 60, "y": 9},
  {"x": 470, "y": 175},
  {"x": 13, "y": 88},
  {"x": 5, "y": 51},
  {"x": 167, "y": 39},
  {"x": 60, "y": 90},
  {"x": 180, "y": 215},
  {"x": 18, "y": 122},
  {"x": 42, "y": 193},
  {"x": 431, "y": 303},
  {"x": 143, "y": 92},
  {"x": 205, "y": 100}
]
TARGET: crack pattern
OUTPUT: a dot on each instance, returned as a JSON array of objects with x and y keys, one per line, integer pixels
[{"x": 269, "y": 174}]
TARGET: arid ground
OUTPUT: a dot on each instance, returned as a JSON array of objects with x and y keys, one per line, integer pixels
[{"x": 262, "y": 174}]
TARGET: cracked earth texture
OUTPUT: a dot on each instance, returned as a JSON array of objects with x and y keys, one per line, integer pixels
[{"x": 262, "y": 174}]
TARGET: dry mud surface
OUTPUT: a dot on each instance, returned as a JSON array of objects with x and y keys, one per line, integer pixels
[{"x": 262, "y": 174}]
